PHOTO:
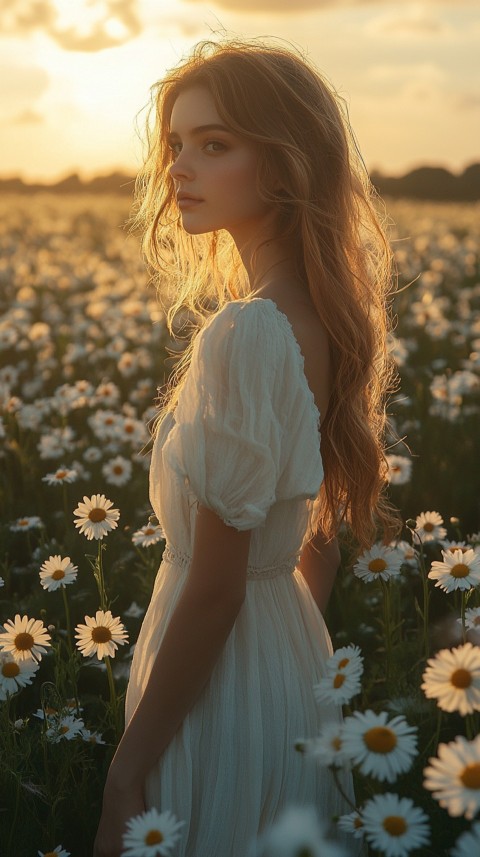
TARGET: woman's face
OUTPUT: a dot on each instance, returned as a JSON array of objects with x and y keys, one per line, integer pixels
[{"x": 214, "y": 171}]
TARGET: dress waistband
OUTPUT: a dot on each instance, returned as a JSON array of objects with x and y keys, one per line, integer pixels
[{"x": 254, "y": 572}]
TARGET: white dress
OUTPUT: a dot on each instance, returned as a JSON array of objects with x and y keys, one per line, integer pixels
[{"x": 243, "y": 441}]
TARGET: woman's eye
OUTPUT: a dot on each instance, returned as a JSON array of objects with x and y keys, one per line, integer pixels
[
  {"x": 216, "y": 146},
  {"x": 175, "y": 149}
]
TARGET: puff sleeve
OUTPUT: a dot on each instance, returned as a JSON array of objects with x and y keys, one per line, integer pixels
[{"x": 232, "y": 438}]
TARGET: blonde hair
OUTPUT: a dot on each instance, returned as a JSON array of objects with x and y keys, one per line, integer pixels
[{"x": 273, "y": 97}]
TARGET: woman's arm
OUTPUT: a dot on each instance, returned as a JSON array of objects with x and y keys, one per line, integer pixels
[
  {"x": 319, "y": 563},
  {"x": 196, "y": 634}
]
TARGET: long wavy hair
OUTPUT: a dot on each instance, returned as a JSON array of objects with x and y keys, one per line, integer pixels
[{"x": 331, "y": 218}]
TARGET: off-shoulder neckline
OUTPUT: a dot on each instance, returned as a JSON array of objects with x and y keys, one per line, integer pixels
[{"x": 287, "y": 325}]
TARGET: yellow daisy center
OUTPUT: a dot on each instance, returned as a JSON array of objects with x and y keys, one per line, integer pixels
[
  {"x": 377, "y": 565},
  {"x": 63, "y": 729},
  {"x": 24, "y": 641},
  {"x": 357, "y": 823},
  {"x": 58, "y": 574},
  {"x": 476, "y": 621},
  {"x": 100, "y": 634},
  {"x": 429, "y": 527},
  {"x": 336, "y": 743},
  {"x": 343, "y": 663},
  {"x": 23, "y": 522},
  {"x": 60, "y": 474},
  {"x": 97, "y": 515},
  {"x": 51, "y": 854},
  {"x": 395, "y": 825},
  {"x": 461, "y": 678},
  {"x": 338, "y": 680},
  {"x": 396, "y": 468},
  {"x": 153, "y": 837},
  {"x": 459, "y": 570},
  {"x": 108, "y": 421},
  {"x": 10, "y": 669},
  {"x": 470, "y": 776},
  {"x": 148, "y": 531},
  {"x": 129, "y": 428},
  {"x": 380, "y": 739},
  {"x": 118, "y": 469}
]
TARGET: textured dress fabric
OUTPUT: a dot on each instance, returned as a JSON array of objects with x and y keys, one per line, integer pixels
[{"x": 244, "y": 441}]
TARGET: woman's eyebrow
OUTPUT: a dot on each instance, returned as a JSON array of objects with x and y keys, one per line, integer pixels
[{"x": 201, "y": 129}]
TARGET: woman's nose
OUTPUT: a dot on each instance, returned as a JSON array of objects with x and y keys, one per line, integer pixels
[{"x": 181, "y": 167}]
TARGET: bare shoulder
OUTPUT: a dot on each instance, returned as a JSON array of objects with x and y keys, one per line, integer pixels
[{"x": 311, "y": 336}]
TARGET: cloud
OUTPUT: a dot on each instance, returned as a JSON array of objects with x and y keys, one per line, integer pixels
[
  {"x": 285, "y": 7},
  {"x": 82, "y": 25},
  {"x": 27, "y": 117},
  {"x": 20, "y": 87},
  {"x": 414, "y": 21}
]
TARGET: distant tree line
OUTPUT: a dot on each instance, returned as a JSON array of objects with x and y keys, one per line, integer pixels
[{"x": 433, "y": 183}]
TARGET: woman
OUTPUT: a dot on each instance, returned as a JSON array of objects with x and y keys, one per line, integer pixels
[{"x": 253, "y": 198}]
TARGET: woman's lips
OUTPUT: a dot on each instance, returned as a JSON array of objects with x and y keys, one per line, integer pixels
[{"x": 188, "y": 201}]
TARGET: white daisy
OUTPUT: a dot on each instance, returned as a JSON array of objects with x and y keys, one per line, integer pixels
[
  {"x": 399, "y": 469},
  {"x": 428, "y": 527},
  {"x": 394, "y": 826},
  {"x": 381, "y": 749},
  {"x": 57, "y": 852},
  {"x": 25, "y": 638},
  {"x": 459, "y": 570},
  {"x": 454, "y": 776},
  {"x": 409, "y": 555},
  {"x": 380, "y": 561},
  {"x": 107, "y": 393},
  {"x": 63, "y": 474},
  {"x": 104, "y": 424},
  {"x": 348, "y": 659},
  {"x": 15, "y": 674},
  {"x": 472, "y": 618},
  {"x": 91, "y": 737},
  {"x": 148, "y": 535},
  {"x": 2, "y": 582},
  {"x": 134, "y": 611},
  {"x": 151, "y": 834},
  {"x": 352, "y": 823},
  {"x": 296, "y": 831},
  {"x": 337, "y": 687},
  {"x": 32, "y": 522},
  {"x": 448, "y": 545},
  {"x": 326, "y": 748},
  {"x": 96, "y": 518},
  {"x": 452, "y": 678},
  {"x": 56, "y": 572},
  {"x": 65, "y": 727},
  {"x": 101, "y": 635},
  {"x": 117, "y": 471},
  {"x": 92, "y": 454},
  {"x": 468, "y": 843}
]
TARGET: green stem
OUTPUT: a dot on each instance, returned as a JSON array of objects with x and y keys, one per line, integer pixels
[
  {"x": 426, "y": 600},
  {"x": 463, "y": 606},
  {"x": 15, "y": 815},
  {"x": 436, "y": 738},
  {"x": 387, "y": 628},
  {"x": 340, "y": 788},
  {"x": 113, "y": 698},
  {"x": 65, "y": 502},
  {"x": 99, "y": 576},
  {"x": 470, "y": 727},
  {"x": 67, "y": 618}
]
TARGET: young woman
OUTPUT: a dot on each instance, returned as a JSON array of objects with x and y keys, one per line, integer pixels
[{"x": 254, "y": 201}]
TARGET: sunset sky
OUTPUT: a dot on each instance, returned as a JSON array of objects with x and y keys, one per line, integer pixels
[{"x": 75, "y": 73}]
